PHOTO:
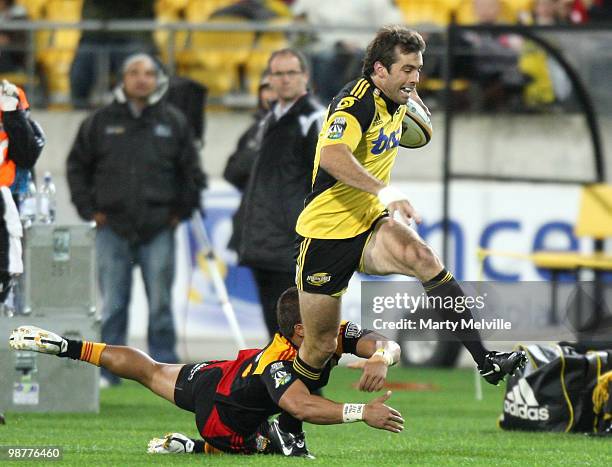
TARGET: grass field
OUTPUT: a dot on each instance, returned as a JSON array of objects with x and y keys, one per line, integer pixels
[{"x": 446, "y": 426}]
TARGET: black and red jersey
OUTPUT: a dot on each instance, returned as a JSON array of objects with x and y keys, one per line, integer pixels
[{"x": 249, "y": 387}]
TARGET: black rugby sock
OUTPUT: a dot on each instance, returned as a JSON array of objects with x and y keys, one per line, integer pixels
[
  {"x": 445, "y": 285},
  {"x": 289, "y": 424},
  {"x": 308, "y": 375}
]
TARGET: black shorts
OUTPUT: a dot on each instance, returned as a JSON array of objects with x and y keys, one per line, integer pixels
[
  {"x": 196, "y": 391},
  {"x": 326, "y": 266}
]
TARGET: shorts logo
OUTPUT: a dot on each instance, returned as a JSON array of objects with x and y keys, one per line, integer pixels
[
  {"x": 345, "y": 103},
  {"x": 195, "y": 369},
  {"x": 319, "y": 278},
  {"x": 336, "y": 129}
]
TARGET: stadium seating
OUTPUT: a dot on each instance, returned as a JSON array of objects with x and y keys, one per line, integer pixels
[
  {"x": 55, "y": 49},
  {"x": 215, "y": 58},
  {"x": 257, "y": 61},
  {"x": 439, "y": 12}
]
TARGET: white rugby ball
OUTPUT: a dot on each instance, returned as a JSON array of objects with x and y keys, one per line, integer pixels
[{"x": 416, "y": 126}]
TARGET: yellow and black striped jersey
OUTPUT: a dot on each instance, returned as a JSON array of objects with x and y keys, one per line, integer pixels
[{"x": 370, "y": 124}]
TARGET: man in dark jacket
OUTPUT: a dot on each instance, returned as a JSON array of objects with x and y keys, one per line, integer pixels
[
  {"x": 134, "y": 170},
  {"x": 240, "y": 163},
  {"x": 279, "y": 181}
]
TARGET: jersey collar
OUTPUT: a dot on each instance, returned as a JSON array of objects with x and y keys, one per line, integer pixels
[{"x": 391, "y": 106}]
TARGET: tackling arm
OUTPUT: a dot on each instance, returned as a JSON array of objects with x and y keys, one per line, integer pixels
[
  {"x": 381, "y": 353},
  {"x": 302, "y": 405}
]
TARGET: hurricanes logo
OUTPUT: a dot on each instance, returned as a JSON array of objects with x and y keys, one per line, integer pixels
[
  {"x": 319, "y": 278},
  {"x": 522, "y": 403}
]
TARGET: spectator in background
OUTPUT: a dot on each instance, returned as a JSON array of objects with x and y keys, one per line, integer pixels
[
  {"x": 102, "y": 52},
  {"x": 333, "y": 51},
  {"x": 279, "y": 181},
  {"x": 134, "y": 169},
  {"x": 493, "y": 61},
  {"x": 547, "y": 83},
  {"x": 21, "y": 142},
  {"x": 12, "y": 43},
  {"x": 240, "y": 163}
]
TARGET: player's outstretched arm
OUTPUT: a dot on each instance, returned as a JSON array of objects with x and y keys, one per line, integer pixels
[
  {"x": 298, "y": 401},
  {"x": 339, "y": 162},
  {"x": 381, "y": 353}
]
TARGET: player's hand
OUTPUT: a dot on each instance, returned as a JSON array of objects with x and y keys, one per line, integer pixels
[
  {"x": 378, "y": 415},
  {"x": 9, "y": 96},
  {"x": 402, "y": 211},
  {"x": 398, "y": 205},
  {"x": 171, "y": 443},
  {"x": 374, "y": 374},
  {"x": 414, "y": 95}
]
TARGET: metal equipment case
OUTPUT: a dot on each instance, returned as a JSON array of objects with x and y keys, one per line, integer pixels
[{"x": 59, "y": 294}]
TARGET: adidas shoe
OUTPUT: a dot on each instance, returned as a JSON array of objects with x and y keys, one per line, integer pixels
[
  {"x": 35, "y": 339},
  {"x": 172, "y": 443},
  {"x": 499, "y": 364}
]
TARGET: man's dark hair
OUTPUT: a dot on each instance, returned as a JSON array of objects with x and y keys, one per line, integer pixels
[
  {"x": 382, "y": 48},
  {"x": 288, "y": 311},
  {"x": 291, "y": 51}
]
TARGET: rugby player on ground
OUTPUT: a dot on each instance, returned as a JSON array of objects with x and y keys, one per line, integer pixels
[
  {"x": 233, "y": 399},
  {"x": 355, "y": 220}
]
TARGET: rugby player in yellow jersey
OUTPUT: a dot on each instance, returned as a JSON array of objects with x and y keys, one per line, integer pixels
[{"x": 355, "y": 220}]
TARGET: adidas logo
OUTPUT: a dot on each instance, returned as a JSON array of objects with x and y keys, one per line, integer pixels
[
  {"x": 377, "y": 120},
  {"x": 522, "y": 403}
]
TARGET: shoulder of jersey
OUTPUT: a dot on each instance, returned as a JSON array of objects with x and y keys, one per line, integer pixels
[{"x": 352, "y": 94}]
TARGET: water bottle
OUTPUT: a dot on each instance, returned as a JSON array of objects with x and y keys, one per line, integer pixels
[
  {"x": 46, "y": 200},
  {"x": 27, "y": 208}
]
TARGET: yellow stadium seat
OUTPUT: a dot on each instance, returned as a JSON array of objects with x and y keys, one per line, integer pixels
[
  {"x": 425, "y": 11},
  {"x": 169, "y": 11},
  {"x": 213, "y": 57},
  {"x": 55, "y": 49},
  {"x": 35, "y": 8},
  {"x": 510, "y": 9},
  {"x": 257, "y": 61}
]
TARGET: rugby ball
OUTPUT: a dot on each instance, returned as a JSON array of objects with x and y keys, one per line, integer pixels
[{"x": 416, "y": 126}]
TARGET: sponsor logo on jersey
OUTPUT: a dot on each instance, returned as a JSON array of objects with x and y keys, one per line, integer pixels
[
  {"x": 319, "y": 278},
  {"x": 522, "y": 403},
  {"x": 384, "y": 143},
  {"x": 336, "y": 129},
  {"x": 377, "y": 120}
]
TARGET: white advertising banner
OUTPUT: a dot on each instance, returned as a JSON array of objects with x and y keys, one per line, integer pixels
[{"x": 514, "y": 218}]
